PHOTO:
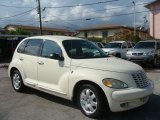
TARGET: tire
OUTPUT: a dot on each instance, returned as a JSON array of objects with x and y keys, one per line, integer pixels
[
  {"x": 91, "y": 102},
  {"x": 17, "y": 81},
  {"x": 118, "y": 55},
  {"x": 154, "y": 62}
]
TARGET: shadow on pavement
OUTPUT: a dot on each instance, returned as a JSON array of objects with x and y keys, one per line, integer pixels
[
  {"x": 50, "y": 97},
  {"x": 150, "y": 111}
]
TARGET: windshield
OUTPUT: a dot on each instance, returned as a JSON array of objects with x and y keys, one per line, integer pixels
[
  {"x": 82, "y": 49},
  {"x": 145, "y": 45},
  {"x": 113, "y": 45}
]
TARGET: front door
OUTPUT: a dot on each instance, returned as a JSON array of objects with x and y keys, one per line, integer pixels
[{"x": 52, "y": 73}]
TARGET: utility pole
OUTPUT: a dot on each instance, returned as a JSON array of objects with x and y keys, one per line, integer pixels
[
  {"x": 134, "y": 18},
  {"x": 40, "y": 19},
  {"x": 145, "y": 21}
]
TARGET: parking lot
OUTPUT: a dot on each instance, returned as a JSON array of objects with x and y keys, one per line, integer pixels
[{"x": 36, "y": 105}]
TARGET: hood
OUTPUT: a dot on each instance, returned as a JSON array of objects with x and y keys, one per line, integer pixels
[
  {"x": 110, "y": 49},
  {"x": 107, "y": 64},
  {"x": 141, "y": 50}
]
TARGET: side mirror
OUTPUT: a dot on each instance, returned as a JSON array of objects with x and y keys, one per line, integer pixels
[{"x": 57, "y": 56}]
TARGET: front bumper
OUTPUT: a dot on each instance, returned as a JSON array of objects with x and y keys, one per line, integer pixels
[
  {"x": 143, "y": 58},
  {"x": 126, "y": 99}
]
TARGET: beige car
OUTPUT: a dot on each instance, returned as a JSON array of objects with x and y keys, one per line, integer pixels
[{"x": 78, "y": 70}]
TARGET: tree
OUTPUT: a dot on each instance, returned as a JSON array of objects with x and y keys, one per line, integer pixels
[
  {"x": 19, "y": 31},
  {"x": 127, "y": 36}
]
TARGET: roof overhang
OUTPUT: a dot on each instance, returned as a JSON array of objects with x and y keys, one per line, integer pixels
[{"x": 150, "y": 4}]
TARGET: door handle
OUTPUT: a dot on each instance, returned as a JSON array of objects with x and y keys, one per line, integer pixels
[
  {"x": 21, "y": 59},
  {"x": 40, "y": 63}
]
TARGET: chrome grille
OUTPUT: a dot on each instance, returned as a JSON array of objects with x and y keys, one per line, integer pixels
[
  {"x": 140, "y": 79},
  {"x": 137, "y": 54}
]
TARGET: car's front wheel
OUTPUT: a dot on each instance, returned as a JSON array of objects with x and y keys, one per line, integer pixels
[
  {"x": 17, "y": 82},
  {"x": 90, "y": 101},
  {"x": 118, "y": 55}
]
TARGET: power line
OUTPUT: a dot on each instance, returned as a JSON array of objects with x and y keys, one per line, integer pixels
[
  {"x": 108, "y": 16},
  {"x": 105, "y": 9},
  {"x": 3, "y": 5},
  {"x": 17, "y": 14},
  {"x": 62, "y": 25},
  {"x": 87, "y": 4}
]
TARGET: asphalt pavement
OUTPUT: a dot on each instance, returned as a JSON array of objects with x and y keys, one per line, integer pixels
[{"x": 36, "y": 105}]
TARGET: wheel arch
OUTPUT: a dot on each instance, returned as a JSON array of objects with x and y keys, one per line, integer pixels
[
  {"x": 11, "y": 69},
  {"x": 82, "y": 82}
]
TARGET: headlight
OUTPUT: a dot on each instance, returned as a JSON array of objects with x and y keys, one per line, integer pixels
[
  {"x": 128, "y": 53},
  {"x": 112, "y": 52},
  {"x": 149, "y": 53},
  {"x": 113, "y": 83}
]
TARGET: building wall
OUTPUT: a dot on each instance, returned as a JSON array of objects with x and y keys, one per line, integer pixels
[
  {"x": 98, "y": 33},
  {"x": 155, "y": 21},
  {"x": 113, "y": 31}
]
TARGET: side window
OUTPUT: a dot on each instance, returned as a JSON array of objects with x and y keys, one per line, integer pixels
[
  {"x": 22, "y": 46},
  {"x": 50, "y": 47},
  {"x": 33, "y": 47},
  {"x": 124, "y": 46}
]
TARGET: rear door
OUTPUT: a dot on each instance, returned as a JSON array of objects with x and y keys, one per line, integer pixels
[{"x": 28, "y": 60}]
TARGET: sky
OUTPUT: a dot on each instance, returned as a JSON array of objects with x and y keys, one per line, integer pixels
[{"x": 117, "y": 12}]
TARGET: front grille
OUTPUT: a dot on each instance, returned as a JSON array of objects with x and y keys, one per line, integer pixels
[
  {"x": 137, "y": 54},
  {"x": 140, "y": 79}
]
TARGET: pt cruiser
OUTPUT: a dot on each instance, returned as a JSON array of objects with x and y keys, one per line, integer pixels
[{"x": 76, "y": 69}]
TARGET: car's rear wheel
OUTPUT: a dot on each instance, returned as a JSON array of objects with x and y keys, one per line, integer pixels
[
  {"x": 90, "y": 101},
  {"x": 154, "y": 62},
  {"x": 17, "y": 82}
]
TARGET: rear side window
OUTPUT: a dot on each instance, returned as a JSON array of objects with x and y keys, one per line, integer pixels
[
  {"x": 124, "y": 45},
  {"x": 33, "y": 47},
  {"x": 22, "y": 46}
]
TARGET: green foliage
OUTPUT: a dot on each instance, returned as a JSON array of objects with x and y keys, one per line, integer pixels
[
  {"x": 136, "y": 38},
  {"x": 19, "y": 31}
]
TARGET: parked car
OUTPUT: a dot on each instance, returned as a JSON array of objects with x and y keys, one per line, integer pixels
[
  {"x": 145, "y": 51},
  {"x": 78, "y": 70},
  {"x": 117, "y": 48}
]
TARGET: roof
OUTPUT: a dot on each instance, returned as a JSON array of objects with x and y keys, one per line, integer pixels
[
  {"x": 37, "y": 28},
  {"x": 57, "y": 38},
  {"x": 10, "y": 36},
  {"x": 152, "y": 3},
  {"x": 104, "y": 27},
  {"x": 100, "y": 27}
]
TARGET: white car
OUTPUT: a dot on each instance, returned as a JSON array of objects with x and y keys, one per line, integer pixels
[
  {"x": 117, "y": 48},
  {"x": 76, "y": 69}
]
